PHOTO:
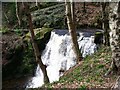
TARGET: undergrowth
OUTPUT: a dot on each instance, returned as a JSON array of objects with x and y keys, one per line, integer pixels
[{"x": 90, "y": 74}]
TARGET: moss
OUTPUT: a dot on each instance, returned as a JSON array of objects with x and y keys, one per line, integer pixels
[
  {"x": 97, "y": 33},
  {"x": 39, "y": 33}
]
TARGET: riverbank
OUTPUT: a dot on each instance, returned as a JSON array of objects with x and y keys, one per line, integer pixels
[{"x": 89, "y": 74}]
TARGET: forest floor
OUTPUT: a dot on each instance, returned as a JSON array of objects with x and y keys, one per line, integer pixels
[
  {"x": 88, "y": 16},
  {"x": 90, "y": 73}
]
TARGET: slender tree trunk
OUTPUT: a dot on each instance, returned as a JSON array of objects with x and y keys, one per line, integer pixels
[
  {"x": 6, "y": 17},
  {"x": 36, "y": 1},
  {"x": 71, "y": 27},
  {"x": 115, "y": 37},
  {"x": 105, "y": 24},
  {"x": 84, "y": 8},
  {"x": 35, "y": 46},
  {"x": 17, "y": 13},
  {"x": 72, "y": 10}
]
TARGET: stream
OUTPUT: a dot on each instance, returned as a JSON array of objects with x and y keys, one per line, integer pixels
[{"x": 58, "y": 56}]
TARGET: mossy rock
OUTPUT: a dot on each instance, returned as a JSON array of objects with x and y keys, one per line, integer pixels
[
  {"x": 42, "y": 36},
  {"x": 97, "y": 33},
  {"x": 21, "y": 55},
  {"x": 39, "y": 33}
]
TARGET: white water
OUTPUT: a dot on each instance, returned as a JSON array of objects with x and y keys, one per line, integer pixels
[{"x": 59, "y": 55}]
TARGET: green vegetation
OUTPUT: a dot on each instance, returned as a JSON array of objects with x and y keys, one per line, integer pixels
[
  {"x": 9, "y": 18},
  {"x": 42, "y": 32},
  {"x": 88, "y": 74},
  {"x": 51, "y": 17},
  {"x": 42, "y": 5},
  {"x": 4, "y": 30},
  {"x": 18, "y": 32},
  {"x": 39, "y": 32},
  {"x": 28, "y": 63},
  {"x": 20, "y": 53}
]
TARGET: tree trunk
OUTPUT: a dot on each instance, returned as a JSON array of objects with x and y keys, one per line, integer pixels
[
  {"x": 72, "y": 10},
  {"x": 36, "y": 1},
  {"x": 84, "y": 8},
  {"x": 17, "y": 13},
  {"x": 6, "y": 17},
  {"x": 116, "y": 86},
  {"x": 35, "y": 46},
  {"x": 71, "y": 27},
  {"x": 115, "y": 36},
  {"x": 105, "y": 22}
]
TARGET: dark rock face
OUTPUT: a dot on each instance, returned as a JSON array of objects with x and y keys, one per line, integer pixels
[
  {"x": 98, "y": 38},
  {"x": 12, "y": 52},
  {"x": 42, "y": 42},
  {"x": 11, "y": 66},
  {"x": 17, "y": 52}
]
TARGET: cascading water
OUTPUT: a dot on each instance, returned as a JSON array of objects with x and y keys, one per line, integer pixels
[{"x": 58, "y": 55}]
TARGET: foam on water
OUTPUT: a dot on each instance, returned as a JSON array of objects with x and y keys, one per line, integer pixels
[{"x": 58, "y": 55}]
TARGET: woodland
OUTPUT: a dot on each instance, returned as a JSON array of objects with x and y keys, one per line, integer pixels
[{"x": 67, "y": 45}]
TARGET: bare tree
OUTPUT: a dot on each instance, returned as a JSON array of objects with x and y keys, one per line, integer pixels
[
  {"x": 115, "y": 37},
  {"x": 34, "y": 44},
  {"x": 105, "y": 22},
  {"x": 18, "y": 12},
  {"x": 71, "y": 27},
  {"x": 84, "y": 8},
  {"x": 36, "y": 2}
]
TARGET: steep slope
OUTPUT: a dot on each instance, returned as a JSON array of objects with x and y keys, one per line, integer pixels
[
  {"x": 54, "y": 16},
  {"x": 88, "y": 74}
]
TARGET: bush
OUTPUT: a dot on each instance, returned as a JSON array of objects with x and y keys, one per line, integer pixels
[{"x": 4, "y": 30}]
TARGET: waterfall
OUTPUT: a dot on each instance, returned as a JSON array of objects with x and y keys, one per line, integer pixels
[{"x": 59, "y": 56}]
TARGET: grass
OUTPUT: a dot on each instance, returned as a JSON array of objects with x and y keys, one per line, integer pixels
[{"x": 90, "y": 74}]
